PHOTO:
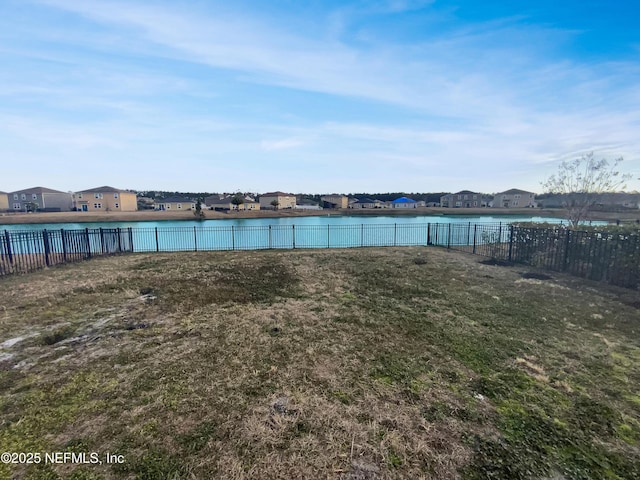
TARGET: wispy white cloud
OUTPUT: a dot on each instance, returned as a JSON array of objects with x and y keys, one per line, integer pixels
[{"x": 283, "y": 144}]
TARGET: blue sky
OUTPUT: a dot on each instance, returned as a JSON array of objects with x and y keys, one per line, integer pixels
[{"x": 314, "y": 96}]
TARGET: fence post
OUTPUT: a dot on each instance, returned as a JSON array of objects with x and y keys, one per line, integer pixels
[
  {"x": 195, "y": 239},
  {"x": 475, "y": 230},
  {"x": 395, "y": 234},
  {"x": 63, "y": 237},
  {"x": 293, "y": 231},
  {"x": 119, "y": 241},
  {"x": 362, "y": 235},
  {"x": 510, "y": 242},
  {"x": 157, "y": 243},
  {"x": 468, "y": 234},
  {"x": 101, "y": 240},
  {"x": 9, "y": 249},
  {"x": 428, "y": 233},
  {"x": 328, "y": 238},
  {"x": 233, "y": 238},
  {"x": 270, "y": 241},
  {"x": 131, "y": 239},
  {"x": 565, "y": 260},
  {"x": 86, "y": 237},
  {"x": 449, "y": 236},
  {"x": 45, "y": 241}
]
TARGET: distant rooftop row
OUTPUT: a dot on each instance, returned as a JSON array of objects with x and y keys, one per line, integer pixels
[{"x": 106, "y": 199}]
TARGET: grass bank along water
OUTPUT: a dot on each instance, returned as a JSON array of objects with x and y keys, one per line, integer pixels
[{"x": 367, "y": 363}]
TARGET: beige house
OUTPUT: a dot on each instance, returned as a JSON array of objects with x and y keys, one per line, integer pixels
[
  {"x": 334, "y": 201},
  {"x": 40, "y": 199},
  {"x": 284, "y": 200},
  {"x": 4, "y": 201},
  {"x": 514, "y": 198},
  {"x": 365, "y": 203},
  {"x": 105, "y": 199},
  {"x": 462, "y": 199},
  {"x": 175, "y": 203},
  {"x": 225, "y": 202}
]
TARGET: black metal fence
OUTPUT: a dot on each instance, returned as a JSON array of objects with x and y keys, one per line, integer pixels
[
  {"x": 597, "y": 255},
  {"x": 607, "y": 255},
  {"x": 26, "y": 251}
]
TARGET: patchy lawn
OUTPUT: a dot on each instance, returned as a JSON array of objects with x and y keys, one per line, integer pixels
[{"x": 346, "y": 364}]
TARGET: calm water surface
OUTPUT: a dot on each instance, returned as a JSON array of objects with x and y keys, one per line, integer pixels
[{"x": 302, "y": 221}]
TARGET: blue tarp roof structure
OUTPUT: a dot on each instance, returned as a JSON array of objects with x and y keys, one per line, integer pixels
[{"x": 403, "y": 200}]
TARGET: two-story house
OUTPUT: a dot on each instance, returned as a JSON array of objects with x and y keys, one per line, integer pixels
[
  {"x": 277, "y": 201},
  {"x": 105, "y": 199},
  {"x": 4, "y": 201},
  {"x": 462, "y": 199},
  {"x": 334, "y": 201},
  {"x": 40, "y": 199},
  {"x": 514, "y": 198}
]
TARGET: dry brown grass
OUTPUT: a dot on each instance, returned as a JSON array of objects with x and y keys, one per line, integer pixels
[{"x": 349, "y": 364}]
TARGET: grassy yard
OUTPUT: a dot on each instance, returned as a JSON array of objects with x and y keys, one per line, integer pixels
[{"x": 340, "y": 364}]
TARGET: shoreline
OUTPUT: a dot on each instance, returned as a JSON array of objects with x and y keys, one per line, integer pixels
[{"x": 187, "y": 215}]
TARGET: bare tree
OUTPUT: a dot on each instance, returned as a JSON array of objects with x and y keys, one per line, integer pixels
[{"x": 582, "y": 181}]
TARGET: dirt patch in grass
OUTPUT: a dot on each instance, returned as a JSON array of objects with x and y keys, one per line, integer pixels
[
  {"x": 496, "y": 262},
  {"x": 350, "y": 364},
  {"x": 536, "y": 276}
]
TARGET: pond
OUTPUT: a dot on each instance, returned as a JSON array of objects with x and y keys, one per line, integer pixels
[{"x": 319, "y": 220}]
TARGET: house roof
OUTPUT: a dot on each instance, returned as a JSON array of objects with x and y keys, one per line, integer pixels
[
  {"x": 104, "y": 189},
  {"x": 277, "y": 194},
  {"x": 365, "y": 200},
  {"x": 38, "y": 190},
  {"x": 465, "y": 192},
  {"x": 404, "y": 200},
  {"x": 176, "y": 200},
  {"x": 215, "y": 200},
  {"x": 514, "y": 191}
]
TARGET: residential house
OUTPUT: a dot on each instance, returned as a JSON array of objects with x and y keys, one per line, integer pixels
[
  {"x": 404, "y": 202},
  {"x": 307, "y": 204},
  {"x": 619, "y": 199},
  {"x": 334, "y": 201},
  {"x": 40, "y": 199},
  {"x": 462, "y": 199},
  {"x": 175, "y": 203},
  {"x": 105, "y": 199},
  {"x": 283, "y": 200},
  {"x": 225, "y": 203},
  {"x": 612, "y": 201},
  {"x": 4, "y": 201},
  {"x": 514, "y": 198},
  {"x": 365, "y": 203}
]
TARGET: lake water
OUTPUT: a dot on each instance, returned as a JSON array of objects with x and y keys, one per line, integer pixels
[{"x": 320, "y": 220}]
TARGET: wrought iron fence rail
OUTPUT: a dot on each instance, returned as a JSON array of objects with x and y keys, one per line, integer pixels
[{"x": 612, "y": 257}]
